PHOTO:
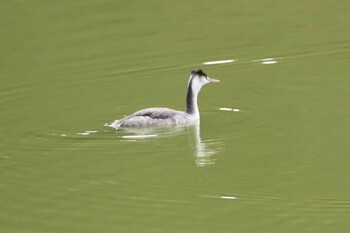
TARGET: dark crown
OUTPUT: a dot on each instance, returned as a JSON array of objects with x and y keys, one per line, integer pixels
[{"x": 198, "y": 72}]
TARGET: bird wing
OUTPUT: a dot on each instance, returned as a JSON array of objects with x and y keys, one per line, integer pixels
[{"x": 155, "y": 113}]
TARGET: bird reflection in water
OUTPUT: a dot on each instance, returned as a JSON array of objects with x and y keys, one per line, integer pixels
[{"x": 203, "y": 150}]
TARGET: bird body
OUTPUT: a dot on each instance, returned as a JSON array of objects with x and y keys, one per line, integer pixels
[{"x": 167, "y": 116}]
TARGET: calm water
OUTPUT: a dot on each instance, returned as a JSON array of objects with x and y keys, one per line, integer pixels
[{"x": 279, "y": 164}]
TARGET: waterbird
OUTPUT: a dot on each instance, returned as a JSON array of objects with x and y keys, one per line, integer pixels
[{"x": 167, "y": 116}]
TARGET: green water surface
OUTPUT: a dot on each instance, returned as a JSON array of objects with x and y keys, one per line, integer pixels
[{"x": 279, "y": 164}]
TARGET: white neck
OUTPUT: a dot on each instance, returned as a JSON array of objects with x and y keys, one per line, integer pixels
[{"x": 193, "y": 89}]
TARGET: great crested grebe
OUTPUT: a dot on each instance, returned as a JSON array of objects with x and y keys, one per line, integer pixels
[{"x": 167, "y": 116}]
